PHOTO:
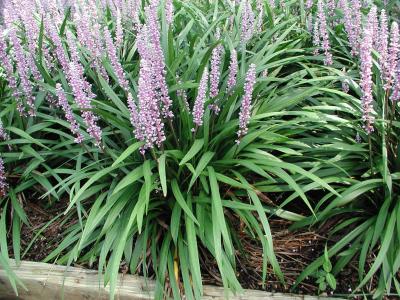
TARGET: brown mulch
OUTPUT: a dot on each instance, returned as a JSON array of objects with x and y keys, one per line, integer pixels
[{"x": 294, "y": 251}]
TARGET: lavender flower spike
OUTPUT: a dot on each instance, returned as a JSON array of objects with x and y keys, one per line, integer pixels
[
  {"x": 152, "y": 36},
  {"x": 5, "y": 61},
  {"x": 169, "y": 11},
  {"x": 69, "y": 116},
  {"x": 198, "y": 109},
  {"x": 316, "y": 38},
  {"x": 245, "y": 109},
  {"x": 119, "y": 33},
  {"x": 3, "y": 180},
  {"x": 366, "y": 78},
  {"x": 382, "y": 46},
  {"x": 112, "y": 55},
  {"x": 393, "y": 56},
  {"x": 150, "y": 127},
  {"x": 233, "y": 69},
  {"x": 247, "y": 22},
  {"x": 3, "y": 134},
  {"x": 324, "y": 33},
  {"x": 396, "y": 86},
  {"x": 78, "y": 85},
  {"x": 215, "y": 67}
]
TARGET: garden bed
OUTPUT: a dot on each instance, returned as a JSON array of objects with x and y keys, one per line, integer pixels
[{"x": 295, "y": 250}]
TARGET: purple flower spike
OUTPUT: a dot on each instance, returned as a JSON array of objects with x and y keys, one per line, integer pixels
[
  {"x": 112, "y": 55},
  {"x": 215, "y": 67},
  {"x": 23, "y": 71},
  {"x": 83, "y": 100},
  {"x": 272, "y": 4},
  {"x": 323, "y": 33},
  {"x": 157, "y": 59},
  {"x": 3, "y": 134},
  {"x": 393, "y": 56},
  {"x": 119, "y": 33},
  {"x": 260, "y": 9},
  {"x": 198, "y": 109},
  {"x": 245, "y": 109},
  {"x": 169, "y": 11},
  {"x": 366, "y": 76},
  {"x": 382, "y": 46},
  {"x": 316, "y": 37},
  {"x": 69, "y": 116},
  {"x": 182, "y": 94},
  {"x": 396, "y": 86},
  {"x": 3, "y": 180},
  {"x": 150, "y": 127},
  {"x": 374, "y": 23},
  {"x": 352, "y": 23},
  {"x": 233, "y": 70},
  {"x": 5, "y": 61},
  {"x": 247, "y": 22}
]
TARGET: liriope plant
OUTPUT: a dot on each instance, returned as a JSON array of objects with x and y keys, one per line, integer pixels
[
  {"x": 163, "y": 125},
  {"x": 367, "y": 40}
]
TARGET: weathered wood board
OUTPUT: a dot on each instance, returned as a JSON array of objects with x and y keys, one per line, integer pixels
[{"x": 48, "y": 282}]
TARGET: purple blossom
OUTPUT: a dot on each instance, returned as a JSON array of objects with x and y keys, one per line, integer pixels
[
  {"x": 352, "y": 24},
  {"x": 345, "y": 82},
  {"x": 271, "y": 4},
  {"x": 366, "y": 76},
  {"x": 323, "y": 33},
  {"x": 374, "y": 23},
  {"x": 245, "y": 109},
  {"x": 182, "y": 94},
  {"x": 83, "y": 101},
  {"x": 310, "y": 23},
  {"x": 25, "y": 9},
  {"x": 3, "y": 134},
  {"x": 52, "y": 32},
  {"x": 119, "y": 33},
  {"x": 345, "y": 86},
  {"x": 214, "y": 108},
  {"x": 382, "y": 46},
  {"x": 260, "y": 8},
  {"x": 69, "y": 116},
  {"x": 198, "y": 109},
  {"x": 316, "y": 37},
  {"x": 396, "y": 85},
  {"x": 112, "y": 55},
  {"x": 358, "y": 138},
  {"x": 247, "y": 22},
  {"x": 3, "y": 180},
  {"x": 393, "y": 56},
  {"x": 155, "y": 56},
  {"x": 5, "y": 61},
  {"x": 87, "y": 88},
  {"x": 215, "y": 67},
  {"x": 233, "y": 70},
  {"x": 149, "y": 128},
  {"x": 309, "y": 4},
  {"x": 23, "y": 71},
  {"x": 265, "y": 73},
  {"x": 169, "y": 11},
  {"x": 134, "y": 117}
]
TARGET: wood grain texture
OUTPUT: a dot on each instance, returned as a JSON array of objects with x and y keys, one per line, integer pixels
[{"x": 47, "y": 282}]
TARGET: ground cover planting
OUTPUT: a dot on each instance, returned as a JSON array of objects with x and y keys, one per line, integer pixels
[{"x": 193, "y": 141}]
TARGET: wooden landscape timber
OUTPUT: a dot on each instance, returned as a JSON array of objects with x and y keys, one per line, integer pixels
[{"x": 48, "y": 282}]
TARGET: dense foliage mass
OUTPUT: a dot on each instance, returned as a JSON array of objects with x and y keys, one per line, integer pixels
[{"x": 165, "y": 123}]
